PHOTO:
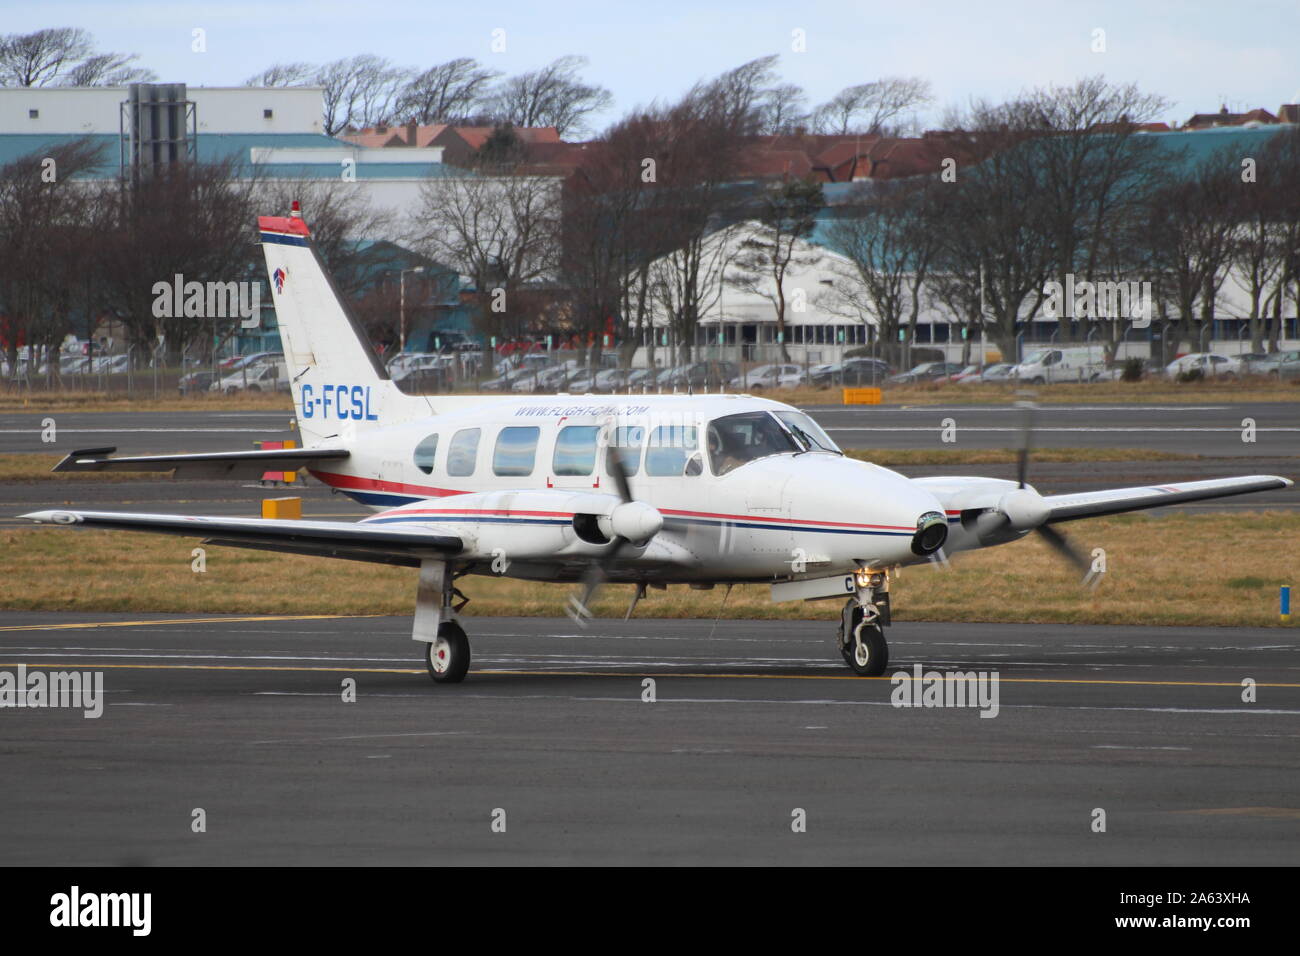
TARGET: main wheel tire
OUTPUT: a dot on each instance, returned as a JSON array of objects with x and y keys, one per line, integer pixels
[
  {"x": 1038, "y": 381},
  {"x": 868, "y": 656},
  {"x": 448, "y": 657}
]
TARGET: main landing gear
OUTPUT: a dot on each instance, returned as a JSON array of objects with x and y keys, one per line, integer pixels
[
  {"x": 446, "y": 651},
  {"x": 861, "y": 634}
]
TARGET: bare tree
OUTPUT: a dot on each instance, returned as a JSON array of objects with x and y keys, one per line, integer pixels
[
  {"x": 218, "y": 204},
  {"x": 551, "y": 96},
  {"x": 444, "y": 93},
  {"x": 778, "y": 247},
  {"x": 285, "y": 74},
  {"x": 42, "y": 57},
  {"x": 1266, "y": 242},
  {"x": 784, "y": 109},
  {"x": 737, "y": 99},
  {"x": 359, "y": 91},
  {"x": 1093, "y": 175},
  {"x": 1190, "y": 232},
  {"x": 44, "y": 245},
  {"x": 64, "y": 56},
  {"x": 498, "y": 227},
  {"x": 340, "y": 217},
  {"x": 873, "y": 107},
  {"x": 108, "y": 69},
  {"x": 888, "y": 234}
]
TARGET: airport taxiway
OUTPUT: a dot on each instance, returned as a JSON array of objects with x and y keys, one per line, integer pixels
[{"x": 752, "y": 721}]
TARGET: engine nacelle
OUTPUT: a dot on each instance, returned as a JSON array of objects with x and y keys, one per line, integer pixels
[{"x": 526, "y": 525}]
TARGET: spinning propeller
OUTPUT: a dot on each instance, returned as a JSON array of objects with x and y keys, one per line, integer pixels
[
  {"x": 1025, "y": 508},
  {"x": 630, "y": 524}
]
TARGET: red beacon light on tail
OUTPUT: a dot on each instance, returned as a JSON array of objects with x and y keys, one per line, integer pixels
[{"x": 295, "y": 211}]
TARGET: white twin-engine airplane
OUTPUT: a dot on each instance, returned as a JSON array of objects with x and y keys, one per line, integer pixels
[{"x": 650, "y": 490}]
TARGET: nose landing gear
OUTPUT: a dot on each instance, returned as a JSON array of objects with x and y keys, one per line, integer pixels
[{"x": 861, "y": 634}]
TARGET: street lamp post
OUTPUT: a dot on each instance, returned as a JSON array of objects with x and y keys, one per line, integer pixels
[{"x": 401, "y": 283}]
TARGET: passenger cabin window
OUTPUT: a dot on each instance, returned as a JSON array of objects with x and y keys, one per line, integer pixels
[
  {"x": 671, "y": 451},
  {"x": 462, "y": 453},
  {"x": 575, "y": 450},
  {"x": 738, "y": 439},
  {"x": 425, "y": 453},
  {"x": 516, "y": 450},
  {"x": 626, "y": 440}
]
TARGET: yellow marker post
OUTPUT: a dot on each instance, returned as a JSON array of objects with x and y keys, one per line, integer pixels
[{"x": 289, "y": 508}]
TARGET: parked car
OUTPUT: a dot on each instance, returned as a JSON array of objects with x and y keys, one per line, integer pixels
[
  {"x": 111, "y": 364},
  {"x": 238, "y": 362},
  {"x": 1204, "y": 365},
  {"x": 770, "y": 376},
  {"x": 1083, "y": 363},
  {"x": 1273, "y": 364},
  {"x": 850, "y": 372},
  {"x": 925, "y": 372},
  {"x": 968, "y": 372},
  {"x": 196, "y": 382},
  {"x": 1288, "y": 367},
  {"x": 999, "y": 372},
  {"x": 268, "y": 377},
  {"x": 602, "y": 380},
  {"x": 551, "y": 379},
  {"x": 641, "y": 378}
]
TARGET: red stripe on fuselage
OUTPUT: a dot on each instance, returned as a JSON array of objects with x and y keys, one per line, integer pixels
[{"x": 356, "y": 483}]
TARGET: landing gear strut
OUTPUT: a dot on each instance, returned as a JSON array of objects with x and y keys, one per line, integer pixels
[
  {"x": 861, "y": 635},
  {"x": 446, "y": 645}
]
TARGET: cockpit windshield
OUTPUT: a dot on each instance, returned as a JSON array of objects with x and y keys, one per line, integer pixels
[
  {"x": 735, "y": 440},
  {"x": 807, "y": 432}
]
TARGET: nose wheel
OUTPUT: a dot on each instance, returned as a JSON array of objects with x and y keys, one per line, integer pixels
[
  {"x": 447, "y": 656},
  {"x": 862, "y": 641}
]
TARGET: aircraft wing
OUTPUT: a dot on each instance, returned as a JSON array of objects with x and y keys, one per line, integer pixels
[
  {"x": 222, "y": 464},
  {"x": 331, "y": 539},
  {"x": 1092, "y": 504}
]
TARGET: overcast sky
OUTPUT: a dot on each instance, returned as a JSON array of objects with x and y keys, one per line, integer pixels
[{"x": 1197, "y": 54}]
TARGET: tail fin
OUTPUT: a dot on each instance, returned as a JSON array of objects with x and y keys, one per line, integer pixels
[{"x": 339, "y": 384}]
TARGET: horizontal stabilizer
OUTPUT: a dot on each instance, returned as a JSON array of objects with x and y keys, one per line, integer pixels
[{"x": 222, "y": 464}]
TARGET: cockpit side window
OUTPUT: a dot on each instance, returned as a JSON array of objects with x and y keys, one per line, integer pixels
[{"x": 735, "y": 440}]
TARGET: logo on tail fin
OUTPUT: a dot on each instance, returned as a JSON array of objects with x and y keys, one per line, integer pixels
[{"x": 278, "y": 276}]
